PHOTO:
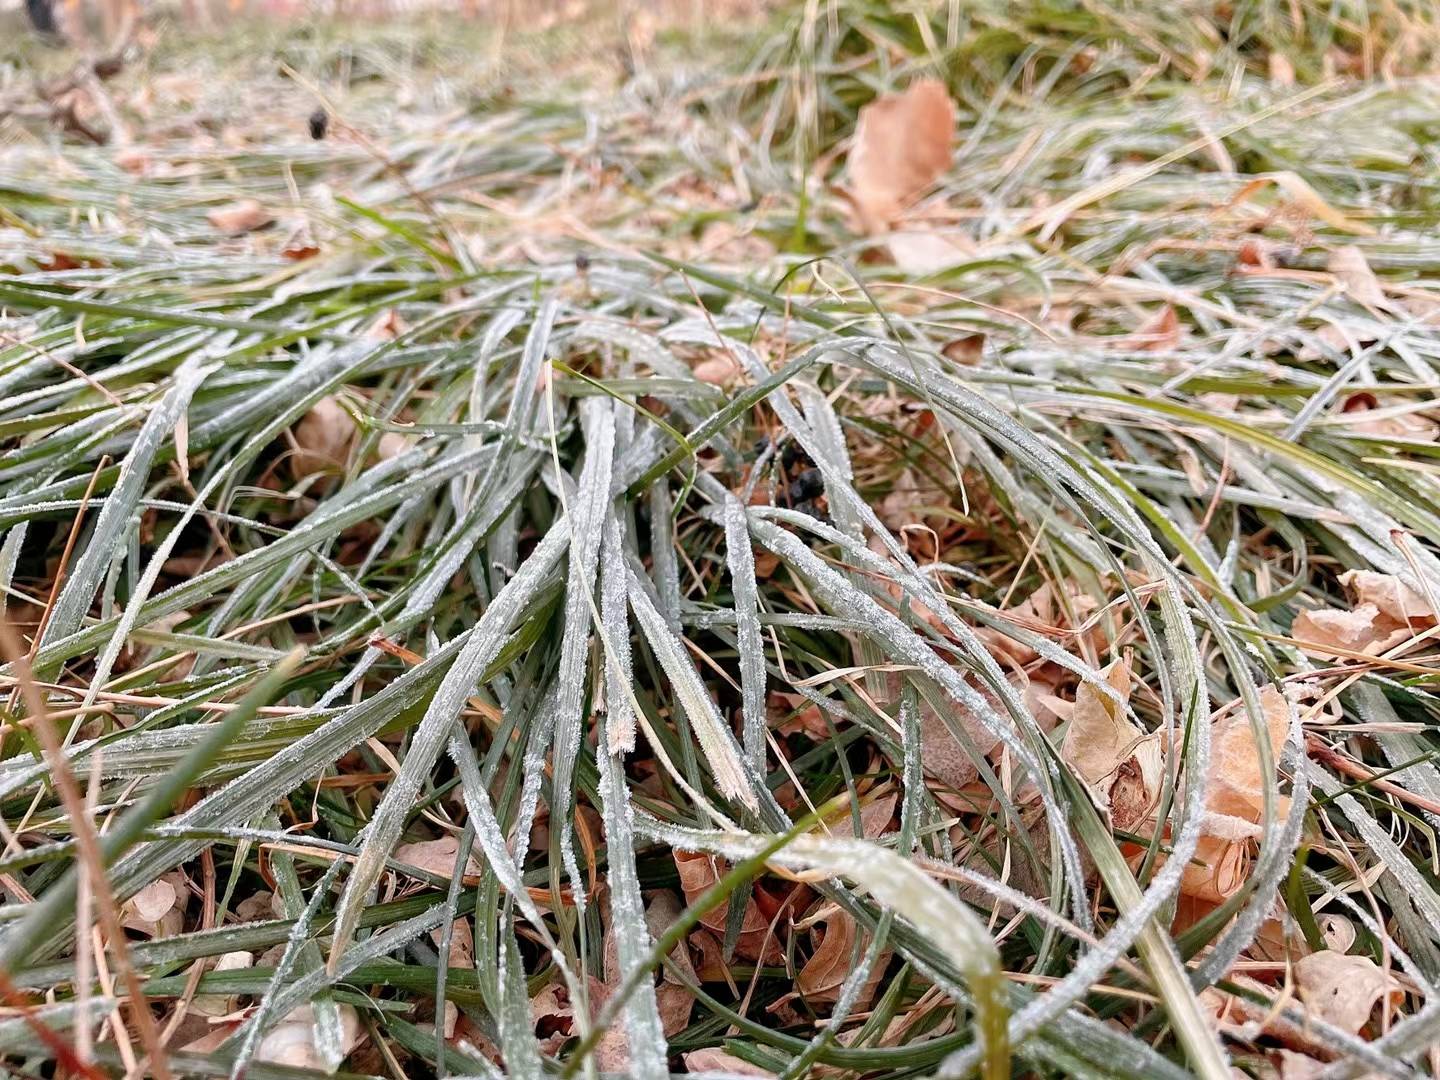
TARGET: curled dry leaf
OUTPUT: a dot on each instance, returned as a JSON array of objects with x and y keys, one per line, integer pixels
[
  {"x": 158, "y": 910},
  {"x": 243, "y": 216},
  {"x": 1235, "y": 799},
  {"x": 1391, "y": 595},
  {"x": 1159, "y": 333},
  {"x": 1281, "y": 71},
  {"x": 821, "y": 977},
  {"x": 1352, "y": 270},
  {"x": 222, "y": 1004},
  {"x": 391, "y": 445},
  {"x": 292, "y": 1041},
  {"x": 461, "y": 955},
  {"x": 1121, "y": 765},
  {"x": 698, "y": 871},
  {"x": 718, "y": 1061},
  {"x": 322, "y": 437},
  {"x": 437, "y": 857},
  {"x": 925, "y": 252},
  {"x": 1344, "y": 990},
  {"x": 902, "y": 145},
  {"x": 1388, "y": 611}
]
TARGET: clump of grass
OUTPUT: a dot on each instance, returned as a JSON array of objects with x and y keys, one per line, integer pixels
[{"x": 632, "y": 523}]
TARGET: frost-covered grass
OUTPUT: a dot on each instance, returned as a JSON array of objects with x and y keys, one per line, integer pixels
[{"x": 543, "y": 476}]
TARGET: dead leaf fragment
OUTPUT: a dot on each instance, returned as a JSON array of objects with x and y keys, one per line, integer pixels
[
  {"x": 222, "y": 1004},
  {"x": 437, "y": 857},
  {"x": 1235, "y": 798},
  {"x": 711, "y": 1060},
  {"x": 292, "y": 1041},
  {"x": 1344, "y": 990},
  {"x": 237, "y": 218},
  {"x": 158, "y": 910},
  {"x": 1282, "y": 72},
  {"x": 322, "y": 438},
  {"x": 1352, "y": 270},
  {"x": 698, "y": 871},
  {"x": 833, "y": 960},
  {"x": 1332, "y": 632},
  {"x": 902, "y": 145},
  {"x": 1391, "y": 595},
  {"x": 1120, "y": 764}
]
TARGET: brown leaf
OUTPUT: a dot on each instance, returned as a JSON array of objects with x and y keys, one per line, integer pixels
[
  {"x": 244, "y": 216},
  {"x": 1159, "y": 333},
  {"x": 1235, "y": 784},
  {"x": 222, "y": 1004},
  {"x": 158, "y": 910},
  {"x": 1352, "y": 270},
  {"x": 1363, "y": 414},
  {"x": 719, "y": 369},
  {"x": 675, "y": 1004},
  {"x": 698, "y": 871},
  {"x": 437, "y": 857},
  {"x": 1234, "y": 799},
  {"x": 1391, "y": 595},
  {"x": 820, "y": 979},
  {"x": 1282, "y": 72},
  {"x": 918, "y": 252},
  {"x": 322, "y": 437},
  {"x": 1332, "y": 632},
  {"x": 292, "y": 1041},
  {"x": 966, "y": 349},
  {"x": 1345, "y": 989},
  {"x": 1121, "y": 764},
  {"x": 718, "y": 1061},
  {"x": 902, "y": 145}
]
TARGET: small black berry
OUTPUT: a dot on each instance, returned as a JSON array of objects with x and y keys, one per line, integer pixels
[{"x": 807, "y": 485}]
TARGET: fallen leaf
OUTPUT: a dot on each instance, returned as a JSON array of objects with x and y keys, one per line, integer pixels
[
  {"x": 292, "y": 1041},
  {"x": 1344, "y": 990},
  {"x": 902, "y": 145},
  {"x": 1235, "y": 798},
  {"x": 153, "y": 901},
  {"x": 1363, "y": 414},
  {"x": 719, "y": 369},
  {"x": 322, "y": 438},
  {"x": 1120, "y": 763},
  {"x": 698, "y": 871},
  {"x": 222, "y": 1004},
  {"x": 821, "y": 977},
  {"x": 244, "y": 216},
  {"x": 928, "y": 252},
  {"x": 437, "y": 857},
  {"x": 1351, "y": 269},
  {"x": 1159, "y": 333},
  {"x": 1281, "y": 71},
  {"x": 1392, "y": 596},
  {"x": 711, "y": 1060},
  {"x": 1333, "y": 632},
  {"x": 966, "y": 349},
  {"x": 387, "y": 326},
  {"x": 391, "y": 445},
  {"x": 1253, "y": 255},
  {"x": 158, "y": 910},
  {"x": 1302, "y": 195}
]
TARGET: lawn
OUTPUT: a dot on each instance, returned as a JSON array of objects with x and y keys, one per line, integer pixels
[{"x": 848, "y": 539}]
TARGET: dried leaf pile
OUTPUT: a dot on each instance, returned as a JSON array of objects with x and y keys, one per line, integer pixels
[{"x": 862, "y": 543}]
